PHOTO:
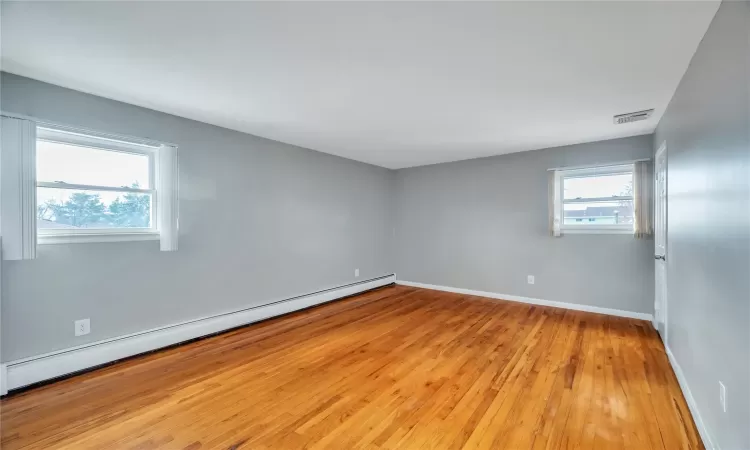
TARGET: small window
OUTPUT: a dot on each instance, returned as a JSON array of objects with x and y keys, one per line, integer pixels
[
  {"x": 90, "y": 185},
  {"x": 597, "y": 199}
]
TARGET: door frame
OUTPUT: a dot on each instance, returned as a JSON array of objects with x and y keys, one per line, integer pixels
[{"x": 662, "y": 150}]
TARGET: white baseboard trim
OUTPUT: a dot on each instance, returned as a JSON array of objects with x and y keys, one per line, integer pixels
[
  {"x": 3, "y": 379},
  {"x": 24, "y": 372},
  {"x": 532, "y": 301},
  {"x": 708, "y": 441}
]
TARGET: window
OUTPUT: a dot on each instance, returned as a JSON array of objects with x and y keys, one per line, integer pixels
[
  {"x": 94, "y": 187},
  {"x": 597, "y": 200}
]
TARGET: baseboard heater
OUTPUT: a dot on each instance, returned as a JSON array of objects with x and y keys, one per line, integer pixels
[{"x": 62, "y": 363}]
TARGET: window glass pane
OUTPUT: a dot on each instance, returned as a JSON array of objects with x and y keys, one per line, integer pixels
[
  {"x": 79, "y": 209},
  {"x": 598, "y": 213},
  {"x": 83, "y": 165},
  {"x": 598, "y": 186}
]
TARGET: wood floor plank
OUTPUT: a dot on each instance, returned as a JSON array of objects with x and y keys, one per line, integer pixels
[{"x": 394, "y": 368}]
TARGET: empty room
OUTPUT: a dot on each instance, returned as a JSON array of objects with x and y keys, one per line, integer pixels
[{"x": 375, "y": 225}]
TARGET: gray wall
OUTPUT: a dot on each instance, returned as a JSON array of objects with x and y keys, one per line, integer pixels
[
  {"x": 482, "y": 224},
  {"x": 706, "y": 127},
  {"x": 260, "y": 221}
]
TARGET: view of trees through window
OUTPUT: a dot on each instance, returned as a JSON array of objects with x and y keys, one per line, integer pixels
[
  {"x": 92, "y": 209},
  {"x": 88, "y": 185}
]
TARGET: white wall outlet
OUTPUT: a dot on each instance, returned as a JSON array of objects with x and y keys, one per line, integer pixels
[
  {"x": 356, "y": 272},
  {"x": 83, "y": 327},
  {"x": 723, "y": 396},
  {"x": 530, "y": 279}
]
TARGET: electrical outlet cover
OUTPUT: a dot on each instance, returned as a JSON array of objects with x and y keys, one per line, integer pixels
[{"x": 82, "y": 327}]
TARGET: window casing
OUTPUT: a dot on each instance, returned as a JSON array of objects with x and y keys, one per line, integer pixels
[
  {"x": 596, "y": 200},
  {"x": 99, "y": 185}
]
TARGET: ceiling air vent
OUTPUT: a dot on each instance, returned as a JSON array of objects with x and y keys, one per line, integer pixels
[{"x": 633, "y": 117}]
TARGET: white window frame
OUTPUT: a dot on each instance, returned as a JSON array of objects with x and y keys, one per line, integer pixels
[
  {"x": 102, "y": 143},
  {"x": 593, "y": 172}
]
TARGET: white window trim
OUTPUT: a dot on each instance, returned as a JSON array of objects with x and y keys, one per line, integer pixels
[
  {"x": 81, "y": 238},
  {"x": 103, "y": 143},
  {"x": 593, "y": 172},
  {"x": 598, "y": 230}
]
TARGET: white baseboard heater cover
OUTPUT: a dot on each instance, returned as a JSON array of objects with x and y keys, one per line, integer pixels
[{"x": 56, "y": 364}]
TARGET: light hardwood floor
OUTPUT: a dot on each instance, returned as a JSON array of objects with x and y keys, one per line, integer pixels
[{"x": 398, "y": 367}]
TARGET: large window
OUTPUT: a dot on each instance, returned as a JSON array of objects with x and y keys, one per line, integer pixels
[
  {"x": 597, "y": 199},
  {"x": 89, "y": 185}
]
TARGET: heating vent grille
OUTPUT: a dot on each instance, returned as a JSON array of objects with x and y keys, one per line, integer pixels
[{"x": 633, "y": 117}]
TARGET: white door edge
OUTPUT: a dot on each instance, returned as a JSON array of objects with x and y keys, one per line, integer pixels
[{"x": 661, "y": 302}]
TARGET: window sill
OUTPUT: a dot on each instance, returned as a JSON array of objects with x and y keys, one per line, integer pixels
[
  {"x": 565, "y": 231},
  {"x": 95, "y": 237}
]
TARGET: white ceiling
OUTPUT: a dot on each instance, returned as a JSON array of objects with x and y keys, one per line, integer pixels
[{"x": 392, "y": 84}]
